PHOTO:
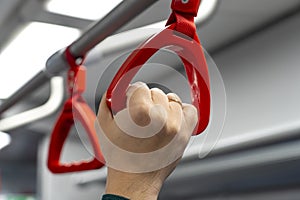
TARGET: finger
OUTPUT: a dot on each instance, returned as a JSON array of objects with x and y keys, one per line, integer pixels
[
  {"x": 132, "y": 87},
  {"x": 174, "y": 98},
  {"x": 175, "y": 115},
  {"x": 137, "y": 94},
  {"x": 159, "y": 97},
  {"x": 190, "y": 115},
  {"x": 139, "y": 102}
]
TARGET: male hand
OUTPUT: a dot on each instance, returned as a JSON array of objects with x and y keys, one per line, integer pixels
[{"x": 143, "y": 143}]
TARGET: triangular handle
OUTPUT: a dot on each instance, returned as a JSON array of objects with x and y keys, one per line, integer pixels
[
  {"x": 190, "y": 52},
  {"x": 74, "y": 108}
]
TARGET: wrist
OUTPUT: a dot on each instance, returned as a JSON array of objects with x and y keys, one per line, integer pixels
[{"x": 133, "y": 186}]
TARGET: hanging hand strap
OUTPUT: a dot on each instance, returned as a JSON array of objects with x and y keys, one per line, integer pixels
[
  {"x": 190, "y": 52},
  {"x": 182, "y": 16},
  {"x": 75, "y": 108}
]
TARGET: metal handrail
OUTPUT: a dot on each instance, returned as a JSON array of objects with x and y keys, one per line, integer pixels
[
  {"x": 116, "y": 43},
  {"x": 118, "y": 17}
]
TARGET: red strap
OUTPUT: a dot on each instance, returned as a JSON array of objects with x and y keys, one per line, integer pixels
[
  {"x": 186, "y": 6},
  {"x": 190, "y": 52},
  {"x": 72, "y": 61},
  {"x": 183, "y": 15},
  {"x": 75, "y": 108},
  {"x": 76, "y": 71}
]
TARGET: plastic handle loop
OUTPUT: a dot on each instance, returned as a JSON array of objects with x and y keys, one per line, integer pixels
[
  {"x": 188, "y": 49},
  {"x": 75, "y": 108}
]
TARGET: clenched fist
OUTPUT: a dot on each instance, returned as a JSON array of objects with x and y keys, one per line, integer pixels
[{"x": 143, "y": 143}]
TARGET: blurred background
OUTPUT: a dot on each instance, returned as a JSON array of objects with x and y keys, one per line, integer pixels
[{"x": 256, "y": 48}]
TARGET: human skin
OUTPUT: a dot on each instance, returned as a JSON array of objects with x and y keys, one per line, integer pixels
[{"x": 179, "y": 120}]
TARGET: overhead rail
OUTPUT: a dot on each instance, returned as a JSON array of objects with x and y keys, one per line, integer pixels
[
  {"x": 116, "y": 43},
  {"x": 118, "y": 17}
]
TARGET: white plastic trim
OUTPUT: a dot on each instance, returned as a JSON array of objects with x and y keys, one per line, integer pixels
[
  {"x": 4, "y": 140},
  {"x": 27, "y": 117}
]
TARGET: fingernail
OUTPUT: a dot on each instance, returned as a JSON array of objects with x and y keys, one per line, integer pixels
[{"x": 174, "y": 96}]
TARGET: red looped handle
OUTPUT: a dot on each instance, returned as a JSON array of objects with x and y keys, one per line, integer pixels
[
  {"x": 75, "y": 108},
  {"x": 194, "y": 62},
  {"x": 181, "y": 38}
]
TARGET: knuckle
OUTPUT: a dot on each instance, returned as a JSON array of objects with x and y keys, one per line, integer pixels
[
  {"x": 172, "y": 129},
  {"x": 190, "y": 111}
]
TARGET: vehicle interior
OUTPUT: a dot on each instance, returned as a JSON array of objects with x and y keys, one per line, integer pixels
[{"x": 251, "y": 149}]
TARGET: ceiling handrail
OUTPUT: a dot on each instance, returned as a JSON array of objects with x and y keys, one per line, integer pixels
[{"x": 113, "y": 21}]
